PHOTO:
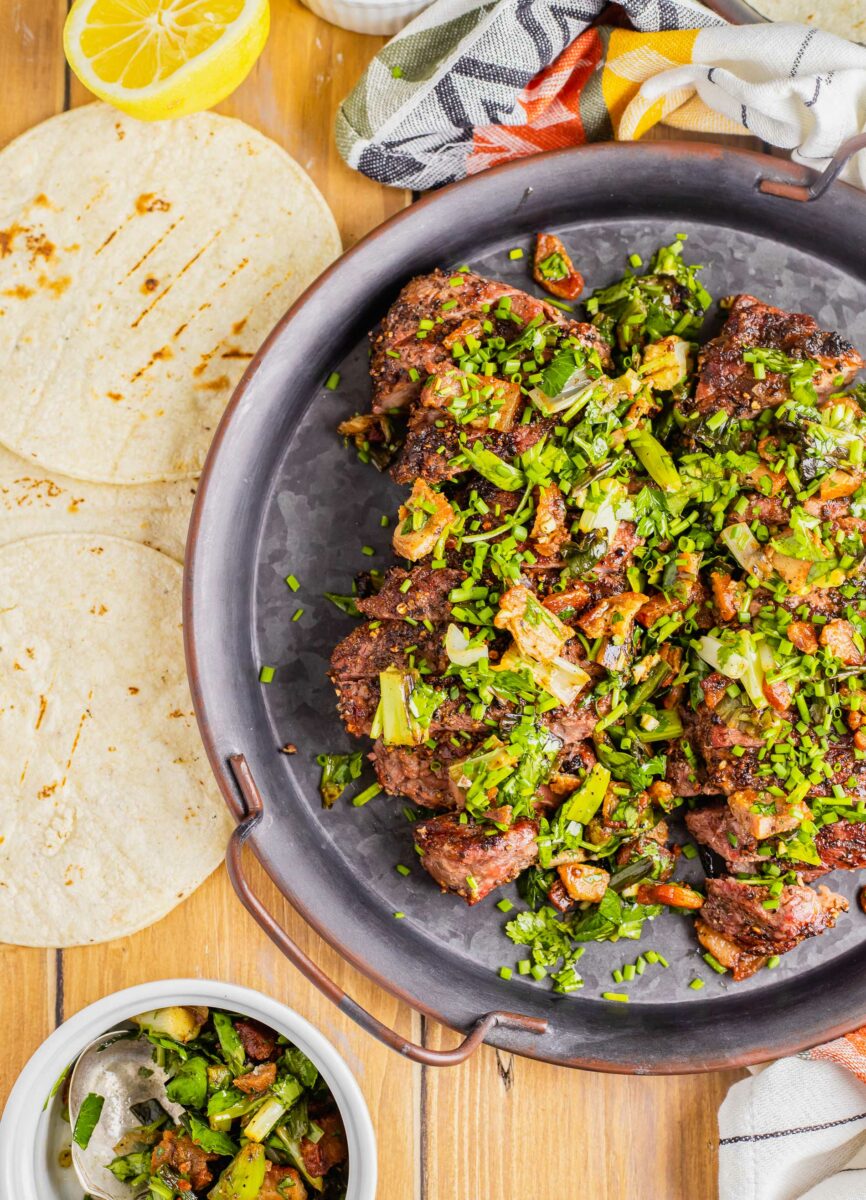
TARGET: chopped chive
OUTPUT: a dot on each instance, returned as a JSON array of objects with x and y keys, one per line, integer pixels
[
  {"x": 773, "y": 962},
  {"x": 662, "y": 960},
  {"x": 384, "y": 521},
  {"x": 617, "y": 975},
  {"x": 504, "y": 905},
  {"x": 399, "y": 915},
  {"x": 635, "y": 260},
  {"x": 696, "y": 985},
  {"x": 406, "y": 584},
  {"x": 651, "y": 957},
  {"x": 640, "y": 965},
  {"x": 505, "y": 972},
  {"x": 690, "y": 850},
  {"x": 515, "y": 253},
  {"x": 538, "y": 972},
  {"x": 333, "y": 381},
  {"x": 524, "y": 966},
  {"x": 397, "y": 72},
  {"x": 297, "y": 616},
  {"x": 368, "y": 550},
  {"x": 628, "y": 972},
  {"x": 292, "y": 582},
  {"x": 266, "y": 674},
  {"x": 401, "y": 870},
  {"x": 368, "y": 793},
  {"x": 713, "y": 962},
  {"x": 620, "y": 997}
]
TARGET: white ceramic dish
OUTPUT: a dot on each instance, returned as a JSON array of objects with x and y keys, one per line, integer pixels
[
  {"x": 32, "y": 1136},
  {"x": 368, "y": 16}
]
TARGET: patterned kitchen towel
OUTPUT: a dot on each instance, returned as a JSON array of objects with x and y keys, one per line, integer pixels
[
  {"x": 796, "y": 1130},
  {"x": 467, "y": 85}
]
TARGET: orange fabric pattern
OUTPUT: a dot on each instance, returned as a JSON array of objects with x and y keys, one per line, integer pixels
[{"x": 848, "y": 1051}]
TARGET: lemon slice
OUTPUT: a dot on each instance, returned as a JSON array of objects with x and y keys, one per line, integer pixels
[{"x": 164, "y": 58}]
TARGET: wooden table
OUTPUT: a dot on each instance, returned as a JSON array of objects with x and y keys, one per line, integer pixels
[{"x": 497, "y": 1127}]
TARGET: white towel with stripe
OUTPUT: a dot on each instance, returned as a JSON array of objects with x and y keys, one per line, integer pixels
[{"x": 795, "y": 1130}]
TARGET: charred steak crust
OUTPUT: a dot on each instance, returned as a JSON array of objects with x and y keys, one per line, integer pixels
[
  {"x": 737, "y": 909},
  {"x": 728, "y": 383},
  {"x": 422, "y": 299},
  {"x": 468, "y": 859}
]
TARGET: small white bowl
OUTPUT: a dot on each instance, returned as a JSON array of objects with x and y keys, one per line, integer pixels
[
  {"x": 31, "y": 1135},
  {"x": 368, "y": 16}
]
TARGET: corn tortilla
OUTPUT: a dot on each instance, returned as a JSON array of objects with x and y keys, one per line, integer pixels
[
  {"x": 34, "y": 500},
  {"x": 109, "y": 814},
  {"x": 141, "y": 266}
]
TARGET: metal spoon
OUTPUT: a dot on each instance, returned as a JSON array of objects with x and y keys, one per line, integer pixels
[{"x": 122, "y": 1070}]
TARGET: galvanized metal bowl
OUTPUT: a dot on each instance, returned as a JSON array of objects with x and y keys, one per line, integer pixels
[{"x": 281, "y": 495}]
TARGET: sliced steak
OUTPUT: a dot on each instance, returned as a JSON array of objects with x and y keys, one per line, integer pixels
[
  {"x": 728, "y": 383},
  {"x": 432, "y": 440},
  {"x": 737, "y": 910},
  {"x": 397, "y": 348},
  {"x": 843, "y": 845},
  {"x": 366, "y": 651},
  {"x": 728, "y": 773},
  {"x": 419, "y": 773},
  {"x": 472, "y": 859},
  {"x": 358, "y": 699},
  {"x": 715, "y": 825},
  {"x": 425, "y": 597}
]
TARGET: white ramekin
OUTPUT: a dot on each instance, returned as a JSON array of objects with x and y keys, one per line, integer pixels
[
  {"x": 28, "y": 1131},
  {"x": 368, "y": 16}
]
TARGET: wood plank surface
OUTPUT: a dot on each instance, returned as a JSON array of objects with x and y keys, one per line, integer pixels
[{"x": 497, "y": 1127}]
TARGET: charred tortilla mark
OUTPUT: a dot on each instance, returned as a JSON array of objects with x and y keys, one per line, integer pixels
[
  {"x": 19, "y": 292},
  {"x": 57, "y": 286},
  {"x": 43, "y": 705},
  {"x": 176, "y": 279},
  {"x": 160, "y": 355},
  {"x": 39, "y": 247},
  {"x": 84, "y": 716},
  {"x": 151, "y": 249},
  {"x": 214, "y": 385},
  {"x": 8, "y": 238},
  {"x": 149, "y": 202}
]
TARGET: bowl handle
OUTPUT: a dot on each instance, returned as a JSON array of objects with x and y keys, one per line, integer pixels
[
  {"x": 820, "y": 181},
  {"x": 248, "y": 816}
]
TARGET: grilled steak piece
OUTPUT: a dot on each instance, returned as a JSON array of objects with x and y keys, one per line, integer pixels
[
  {"x": 737, "y": 910},
  {"x": 365, "y": 652},
  {"x": 470, "y": 860},
  {"x": 358, "y": 699},
  {"x": 728, "y": 383},
  {"x": 714, "y": 826},
  {"x": 422, "y": 299},
  {"x": 432, "y": 440},
  {"x": 425, "y": 599},
  {"x": 420, "y": 774},
  {"x": 843, "y": 845},
  {"x": 727, "y": 774}
]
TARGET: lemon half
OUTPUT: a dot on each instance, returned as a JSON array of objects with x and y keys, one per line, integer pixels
[{"x": 164, "y": 58}]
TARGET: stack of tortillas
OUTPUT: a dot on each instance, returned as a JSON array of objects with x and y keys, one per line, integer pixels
[{"x": 141, "y": 267}]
